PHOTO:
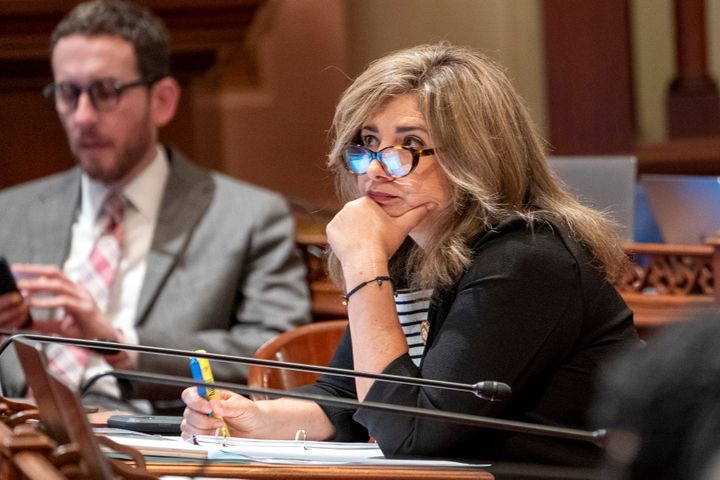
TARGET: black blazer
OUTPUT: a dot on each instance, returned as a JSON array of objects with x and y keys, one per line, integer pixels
[{"x": 531, "y": 311}]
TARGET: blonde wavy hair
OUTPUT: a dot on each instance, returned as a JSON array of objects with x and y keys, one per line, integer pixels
[{"x": 487, "y": 146}]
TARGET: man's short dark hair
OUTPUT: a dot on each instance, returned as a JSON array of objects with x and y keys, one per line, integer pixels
[{"x": 145, "y": 31}]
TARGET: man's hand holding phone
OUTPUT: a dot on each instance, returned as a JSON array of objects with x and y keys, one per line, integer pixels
[
  {"x": 14, "y": 310},
  {"x": 72, "y": 311}
]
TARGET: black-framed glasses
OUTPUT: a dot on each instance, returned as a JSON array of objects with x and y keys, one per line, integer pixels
[
  {"x": 398, "y": 160},
  {"x": 105, "y": 94}
]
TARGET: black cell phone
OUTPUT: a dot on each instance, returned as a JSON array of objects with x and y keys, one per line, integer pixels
[
  {"x": 8, "y": 285},
  {"x": 7, "y": 280},
  {"x": 159, "y": 424}
]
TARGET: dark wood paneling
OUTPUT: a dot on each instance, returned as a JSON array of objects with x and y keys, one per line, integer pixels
[
  {"x": 589, "y": 81},
  {"x": 34, "y": 144},
  {"x": 693, "y": 102},
  {"x": 689, "y": 156}
]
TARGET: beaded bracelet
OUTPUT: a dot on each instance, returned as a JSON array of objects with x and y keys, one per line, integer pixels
[{"x": 379, "y": 280}]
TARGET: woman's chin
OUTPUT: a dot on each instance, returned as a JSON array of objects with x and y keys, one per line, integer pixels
[{"x": 394, "y": 210}]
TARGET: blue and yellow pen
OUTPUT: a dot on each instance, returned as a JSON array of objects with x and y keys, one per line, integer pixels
[{"x": 201, "y": 372}]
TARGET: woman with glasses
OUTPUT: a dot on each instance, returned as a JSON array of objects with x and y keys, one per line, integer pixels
[{"x": 463, "y": 259}]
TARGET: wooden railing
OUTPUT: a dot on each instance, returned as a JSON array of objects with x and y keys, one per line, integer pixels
[{"x": 668, "y": 283}]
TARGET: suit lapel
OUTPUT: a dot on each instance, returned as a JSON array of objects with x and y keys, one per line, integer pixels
[
  {"x": 53, "y": 223},
  {"x": 188, "y": 193}
]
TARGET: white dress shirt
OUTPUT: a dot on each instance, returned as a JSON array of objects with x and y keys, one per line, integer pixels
[{"x": 144, "y": 194}]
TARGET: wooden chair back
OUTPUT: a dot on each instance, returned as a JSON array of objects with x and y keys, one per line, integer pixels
[{"x": 312, "y": 344}]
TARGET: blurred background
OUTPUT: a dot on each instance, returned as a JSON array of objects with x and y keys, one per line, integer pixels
[{"x": 261, "y": 78}]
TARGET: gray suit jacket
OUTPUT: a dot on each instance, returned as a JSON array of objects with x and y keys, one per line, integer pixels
[{"x": 223, "y": 272}]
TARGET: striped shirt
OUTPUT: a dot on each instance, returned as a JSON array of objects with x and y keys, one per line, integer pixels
[{"x": 412, "y": 309}]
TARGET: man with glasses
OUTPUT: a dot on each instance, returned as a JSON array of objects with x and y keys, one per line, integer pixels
[{"x": 136, "y": 244}]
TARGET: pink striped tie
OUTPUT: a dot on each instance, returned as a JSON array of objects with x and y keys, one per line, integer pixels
[{"x": 67, "y": 361}]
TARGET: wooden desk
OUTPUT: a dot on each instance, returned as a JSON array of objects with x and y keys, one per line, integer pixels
[
  {"x": 272, "y": 471},
  {"x": 268, "y": 471},
  {"x": 27, "y": 451}
]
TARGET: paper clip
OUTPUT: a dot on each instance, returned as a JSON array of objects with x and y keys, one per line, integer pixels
[{"x": 302, "y": 435}]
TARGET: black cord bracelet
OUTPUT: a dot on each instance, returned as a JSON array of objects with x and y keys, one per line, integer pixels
[{"x": 379, "y": 280}]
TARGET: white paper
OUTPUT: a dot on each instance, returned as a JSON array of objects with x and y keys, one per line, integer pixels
[
  {"x": 309, "y": 452},
  {"x": 155, "y": 445},
  {"x": 287, "y": 452}
]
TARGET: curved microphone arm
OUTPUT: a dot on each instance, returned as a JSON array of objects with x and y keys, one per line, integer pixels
[
  {"x": 596, "y": 436},
  {"x": 487, "y": 390}
]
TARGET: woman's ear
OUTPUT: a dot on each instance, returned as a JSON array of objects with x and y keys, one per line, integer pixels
[{"x": 165, "y": 97}]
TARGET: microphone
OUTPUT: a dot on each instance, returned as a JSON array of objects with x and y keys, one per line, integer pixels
[
  {"x": 596, "y": 437},
  {"x": 487, "y": 390}
]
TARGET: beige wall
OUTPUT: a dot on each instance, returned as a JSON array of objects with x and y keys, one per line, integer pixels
[
  {"x": 654, "y": 60},
  {"x": 511, "y": 31},
  {"x": 274, "y": 134},
  {"x": 508, "y": 30},
  {"x": 653, "y": 65},
  {"x": 712, "y": 19}
]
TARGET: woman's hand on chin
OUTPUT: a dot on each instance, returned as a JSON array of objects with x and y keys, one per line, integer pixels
[{"x": 363, "y": 231}]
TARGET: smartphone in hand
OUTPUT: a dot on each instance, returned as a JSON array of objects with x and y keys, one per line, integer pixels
[
  {"x": 8, "y": 285},
  {"x": 7, "y": 280}
]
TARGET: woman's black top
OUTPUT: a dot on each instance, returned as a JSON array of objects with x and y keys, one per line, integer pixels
[{"x": 533, "y": 311}]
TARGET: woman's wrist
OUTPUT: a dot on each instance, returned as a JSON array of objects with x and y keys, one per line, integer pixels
[
  {"x": 379, "y": 280},
  {"x": 356, "y": 272},
  {"x": 264, "y": 420}
]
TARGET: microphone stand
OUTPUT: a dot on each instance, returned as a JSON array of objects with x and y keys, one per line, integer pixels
[
  {"x": 487, "y": 390},
  {"x": 597, "y": 437}
]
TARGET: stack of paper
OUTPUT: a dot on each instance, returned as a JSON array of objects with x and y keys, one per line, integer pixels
[
  {"x": 308, "y": 452},
  {"x": 154, "y": 445},
  {"x": 287, "y": 452}
]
